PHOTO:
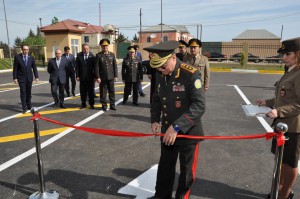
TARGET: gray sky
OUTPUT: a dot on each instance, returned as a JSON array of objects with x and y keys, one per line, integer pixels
[{"x": 221, "y": 20}]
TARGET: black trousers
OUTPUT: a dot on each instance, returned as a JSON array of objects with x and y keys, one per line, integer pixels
[
  {"x": 87, "y": 88},
  {"x": 70, "y": 74},
  {"x": 127, "y": 91},
  {"x": 107, "y": 85},
  {"x": 58, "y": 98},
  {"x": 25, "y": 94},
  {"x": 188, "y": 157}
]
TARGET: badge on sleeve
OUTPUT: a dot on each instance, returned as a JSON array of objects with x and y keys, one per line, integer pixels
[
  {"x": 198, "y": 84},
  {"x": 177, "y": 104}
]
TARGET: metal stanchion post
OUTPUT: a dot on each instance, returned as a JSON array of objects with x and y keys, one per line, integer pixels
[
  {"x": 42, "y": 194},
  {"x": 280, "y": 128}
]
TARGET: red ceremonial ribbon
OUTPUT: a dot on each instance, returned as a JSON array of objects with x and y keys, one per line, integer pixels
[{"x": 268, "y": 135}]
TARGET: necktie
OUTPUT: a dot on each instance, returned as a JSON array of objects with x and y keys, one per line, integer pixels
[
  {"x": 85, "y": 58},
  {"x": 25, "y": 60}
]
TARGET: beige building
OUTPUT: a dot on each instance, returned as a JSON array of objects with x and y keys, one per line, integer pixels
[{"x": 73, "y": 34}]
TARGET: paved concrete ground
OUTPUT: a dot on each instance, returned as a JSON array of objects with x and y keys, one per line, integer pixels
[{"x": 81, "y": 165}]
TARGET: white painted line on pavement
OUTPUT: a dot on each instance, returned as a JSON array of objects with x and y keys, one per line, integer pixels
[
  {"x": 267, "y": 127},
  {"x": 16, "y": 88},
  {"x": 260, "y": 119},
  {"x": 53, "y": 139},
  {"x": 143, "y": 186}
]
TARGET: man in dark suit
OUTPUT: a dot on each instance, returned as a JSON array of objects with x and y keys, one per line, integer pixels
[
  {"x": 57, "y": 70},
  {"x": 85, "y": 74},
  {"x": 106, "y": 67},
  {"x": 24, "y": 65},
  {"x": 70, "y": 71},
  {"x": 178, "y": 103}
]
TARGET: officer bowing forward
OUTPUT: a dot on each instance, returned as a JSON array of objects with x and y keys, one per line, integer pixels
[
  {"x": 178, "y": 103},
  {"x": 132, "y": 75}
]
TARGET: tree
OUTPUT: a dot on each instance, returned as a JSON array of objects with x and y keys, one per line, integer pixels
[
  {"x": 135, "y": 39},
  {"x": 18, "y": 42},
  {"x": 31, "y": 33},
  {"x": 34, "y": 41},
  {"x": 54, "y": 20},
  {"x": 38, "y": 32},
  {"x": 121, "y": 38}
]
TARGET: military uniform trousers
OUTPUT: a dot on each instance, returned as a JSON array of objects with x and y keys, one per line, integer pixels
[
  {"x": 188, "y": 157},
  {"x": 70, "y": 74},
  {"x": 57, "y": 85},
  {"x": 87, "y": 88},
  {"x": 127, "y": 91},
  {"x": 25, "y": 94},
  {"x": 107, "y": 85}
]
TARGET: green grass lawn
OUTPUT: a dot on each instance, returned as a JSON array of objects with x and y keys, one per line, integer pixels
[{"x": 5, "y": 63}]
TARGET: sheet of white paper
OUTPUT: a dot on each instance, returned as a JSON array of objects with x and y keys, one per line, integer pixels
[{"x": 254, "y": 110}]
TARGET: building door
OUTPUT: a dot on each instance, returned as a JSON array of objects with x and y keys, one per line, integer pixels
[{"x": 74, "y": 46}]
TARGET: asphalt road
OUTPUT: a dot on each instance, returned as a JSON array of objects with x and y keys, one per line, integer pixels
[{"x": 81, "y": 165}]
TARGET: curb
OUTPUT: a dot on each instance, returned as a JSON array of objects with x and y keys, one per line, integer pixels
[{"x": 246, "y": 71}]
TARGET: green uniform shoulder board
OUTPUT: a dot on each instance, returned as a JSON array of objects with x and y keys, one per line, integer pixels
[{"x": 188, "y": 68}]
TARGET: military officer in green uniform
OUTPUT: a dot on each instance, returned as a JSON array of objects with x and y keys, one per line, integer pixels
[
  {"x": 198, "y": 61},
  {"x": 182, "y": 50},
  {"x": 106, "y": 66},
  {"x": 178, "y": 104},
  {"x": 132, "y": 75}
]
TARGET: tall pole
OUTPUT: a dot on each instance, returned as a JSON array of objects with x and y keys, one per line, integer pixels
[
  {"x": 7, "y": 35},
  {"x": 201, "y": 32},
  {"x": 161, "y": 22},
  {"x": 140, "y": 36},
  {"x": 197, "y": 31},
  {"x": 281, "y": 32},
  {"x": 99, "y": 14},
  {"x": 40, "y": 22}
]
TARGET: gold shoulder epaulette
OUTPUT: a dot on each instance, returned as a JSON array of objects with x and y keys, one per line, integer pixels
[{"x": 188, "y": 68}]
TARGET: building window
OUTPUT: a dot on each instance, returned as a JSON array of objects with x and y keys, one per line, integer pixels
[
  {"x": 165, "y": 38},
  {"x": 86, "y": 39},
  {"x": 148, "y": 39},
  {"x": 74, "y": 46}
]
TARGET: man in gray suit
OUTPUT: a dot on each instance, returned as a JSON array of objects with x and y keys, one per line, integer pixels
[
  {"x": 70, "y": 71},
  {"x": 57, "y": 70}
]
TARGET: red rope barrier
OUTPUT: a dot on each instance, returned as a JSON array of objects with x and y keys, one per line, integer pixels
[{"x": 267, "y": 136}]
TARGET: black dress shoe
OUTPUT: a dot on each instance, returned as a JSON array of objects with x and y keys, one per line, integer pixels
[
  {"x": 24, "y": 111},
  {"x": 83, "y": 106},
  {"x": 113, "y": 107},
  {"x": 124, "y": 102},
  {"x": 62, "y": 105},
  {"x": 135, "y": 103},
  {"x": 68, "y": 94},
  {"x": 29, "y": 107},
  {"x": 142, "y": 94},
  {"x": 54, "y": 105},
  {"x": 73, "y": 93},
  {"x": 104, "y": 108},
  {"x": 92, "y": 106}
]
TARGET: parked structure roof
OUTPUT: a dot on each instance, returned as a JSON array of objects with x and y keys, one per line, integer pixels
[
  {"x": 256, "y": 34},
  {"x": 166, "y": 28}
]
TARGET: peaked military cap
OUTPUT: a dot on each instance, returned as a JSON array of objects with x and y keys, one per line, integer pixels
[
  {"x": 195, "y": 43},
  {"x": 290, "y": 45},
  {"x": 162, "y": 52},
  {"x": 183, "y": 43},
  {"x": 131, "y": 49},
  {"x": 104, "y": 42}
]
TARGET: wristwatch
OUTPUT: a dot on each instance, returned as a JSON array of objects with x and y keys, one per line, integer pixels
[{"x": 176, "y": 128}]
